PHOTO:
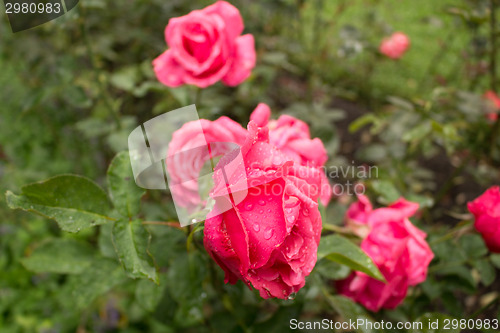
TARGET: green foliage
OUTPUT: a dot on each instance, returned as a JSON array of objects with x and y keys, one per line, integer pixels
[
  {"x": 125, "y": 194},
  {"x": 131, "y": 242},
  {"x": 74, "y": 202},
  {"x": 341, "y": 250}
]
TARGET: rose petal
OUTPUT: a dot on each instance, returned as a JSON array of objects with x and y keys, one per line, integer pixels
[{"x": 244, "y": 61}]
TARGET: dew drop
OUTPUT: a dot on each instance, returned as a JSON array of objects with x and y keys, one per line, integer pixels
[
  {"x": 269, "y": 210},
  {"x": 292, "y": 202},
  {"x": 262, "y": 202},
  {"x": 248, "y": 206},
  {"x": 270, "y": 199},
  {"x": 261, "y": 211},
  {"x": 305, "y": 212},
  {"x": 268, "y": 233},
  {"x": 292, "y": 296},
  {"x": 256, "y": 227}
]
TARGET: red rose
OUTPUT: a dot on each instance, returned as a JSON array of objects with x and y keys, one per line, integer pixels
[
  {"x": 205, "y": 47},
  {"x": 486, "y": 210},
  {"x": 270, "y": 238}
]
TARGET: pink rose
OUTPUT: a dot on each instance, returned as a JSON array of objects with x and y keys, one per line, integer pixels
[
  {"x": 494, "y": 104},
  {"x": 395, "y": 245},
  {"x": 292, "y": 137},
  {"x": 395, "y": 46},
  {"x": 187, "y": 153},
  {"x": 486, "y": 210},
  {"x": 387, "y": 246},
  {"x": 270, "y": 238},
  {"x": 205, "y": 47}
]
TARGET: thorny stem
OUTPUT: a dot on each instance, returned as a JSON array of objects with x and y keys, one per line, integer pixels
[{"x": 173, "y": 224}]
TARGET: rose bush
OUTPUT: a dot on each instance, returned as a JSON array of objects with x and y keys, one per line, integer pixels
[
  {"x": 395, "y": 245},
  {"x": 270, "y": 239},
  {"x": 205, "y": 46},
  {"x": 486, "y": 210}
]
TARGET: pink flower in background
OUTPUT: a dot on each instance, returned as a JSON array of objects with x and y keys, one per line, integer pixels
[
  {"x": 188, "y": 153},
  {"x": 494, "y": 101},
  {"x": 486, "y": 210},
  {"x": 387, "y": 246},
  {"x": 292, "y": 137},
  {"x": 206, "y": 46},
  {"x": 395, "y": 46},
  {"x": 270, "y": 239},
  {"x": 395, "y": 245}
]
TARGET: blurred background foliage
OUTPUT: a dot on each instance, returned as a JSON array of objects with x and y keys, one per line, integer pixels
[{"x": 74, "y": 88}]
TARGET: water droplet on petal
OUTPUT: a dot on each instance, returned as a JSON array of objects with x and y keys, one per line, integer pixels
[
  {"x": 268, "y": 233},
  {"x": 262, "y": 202},
  {"x": 305, "y": 212},
  {"x": 292, "y": 296},
  {"x": 292, "y": 202},
  {"x": 256, "y": 227},
  {"x": 248, "y": 206}
]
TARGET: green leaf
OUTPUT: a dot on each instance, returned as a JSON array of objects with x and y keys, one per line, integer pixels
[
  {"x": 433, "y": 323},
  {"x": 82, "y": 289},
  {"x": 149, "y": 294},
  {"x": 131, "y": 241},
  {"x": 74, "y": 202},
  {"x": 417, "y": 133},
  {"x": 403, "y": 104},
  {"x": 331, "y": 270},
  {"x": 341, "y": 250},
  {"x": 63, "y": 256},
  {"x": 386, "y": 190},
  {"x": 486, "y": 271},
  {"x": 362, "y": 121},
  {"x": 125, "y": 194},
  {"x": 350, "y": 311},
  {"x": 473, "y": 246},
  {"x": 495, "y": 260}
]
